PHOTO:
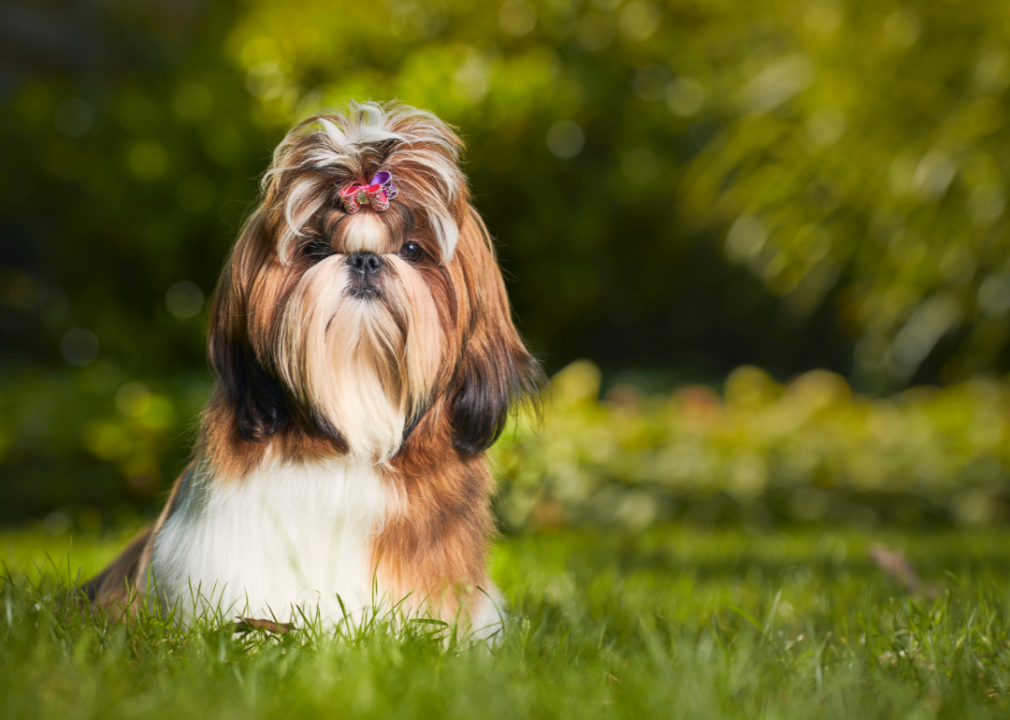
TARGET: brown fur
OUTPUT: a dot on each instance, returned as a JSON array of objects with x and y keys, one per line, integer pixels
[{"x": 437, "y": 547}]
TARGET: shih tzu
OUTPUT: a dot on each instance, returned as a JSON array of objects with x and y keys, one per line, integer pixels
[{"x": 365, "y": 358}]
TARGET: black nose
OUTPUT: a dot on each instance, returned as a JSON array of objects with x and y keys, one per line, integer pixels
[{"x": 364, "y": 263}]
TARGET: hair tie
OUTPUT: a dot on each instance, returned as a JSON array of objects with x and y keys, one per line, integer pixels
[{"x": 377, "y": 193}]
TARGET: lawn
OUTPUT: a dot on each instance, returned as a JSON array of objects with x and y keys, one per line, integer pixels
[{"x": 679, "y": 621}]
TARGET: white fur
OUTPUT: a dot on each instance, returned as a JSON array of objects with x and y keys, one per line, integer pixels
[
  {"x": 285, "y": 536},
  {"x": 342, "y": 356},
  {"x": 364, "y": 231},
  {"x": 363, "y": 364}
]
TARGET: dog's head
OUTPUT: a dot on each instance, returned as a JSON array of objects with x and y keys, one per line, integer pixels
[{"x": 352, "y": 322}]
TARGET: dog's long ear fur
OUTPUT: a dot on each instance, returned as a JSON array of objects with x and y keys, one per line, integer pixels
[
  {"x": 254, "y": 396},
  {"x": 496, "y": 374}
]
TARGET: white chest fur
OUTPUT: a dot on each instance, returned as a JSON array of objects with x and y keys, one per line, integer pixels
[{"x": 285, "y": 536}]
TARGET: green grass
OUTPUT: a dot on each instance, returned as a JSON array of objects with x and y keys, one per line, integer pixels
[{"x": 677, "y": 622}]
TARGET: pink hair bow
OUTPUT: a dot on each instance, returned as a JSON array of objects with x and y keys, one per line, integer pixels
[{"x": 377, "y": 193}]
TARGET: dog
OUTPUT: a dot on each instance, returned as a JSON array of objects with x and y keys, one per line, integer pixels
[{"x": 365, "y": 358}]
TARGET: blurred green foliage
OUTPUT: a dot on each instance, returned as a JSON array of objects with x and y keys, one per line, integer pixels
[
  {"x": 762, "y": 453},
  {"x": 679, "y": 187},
  {"x": 864, "y": 146}
]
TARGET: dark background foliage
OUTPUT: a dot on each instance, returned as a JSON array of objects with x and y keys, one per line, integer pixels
[{"x": 678, "y": 188}]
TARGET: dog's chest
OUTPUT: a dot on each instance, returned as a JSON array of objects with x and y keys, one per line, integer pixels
[{"x": 290, "y": 535}]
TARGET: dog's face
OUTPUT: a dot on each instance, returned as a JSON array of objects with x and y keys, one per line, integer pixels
[{"x": 354, "y": 326}]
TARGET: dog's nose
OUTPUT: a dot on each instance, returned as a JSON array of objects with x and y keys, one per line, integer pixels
[{"x": 364, "y": 263}]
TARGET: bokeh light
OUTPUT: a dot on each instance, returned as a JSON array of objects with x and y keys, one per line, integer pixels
[
  {"x": 79, "y": 346},
  {"x": 184, "y": 299}
]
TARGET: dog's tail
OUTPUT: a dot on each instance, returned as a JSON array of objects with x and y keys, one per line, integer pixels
[
  {"x": 113, "y": 585},
  {"x": 116, "y": 586}
]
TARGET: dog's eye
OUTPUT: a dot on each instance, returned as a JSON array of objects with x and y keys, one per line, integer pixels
[
  {"x": 411, "y": 252},
  {"x": 317, "y": 249}
]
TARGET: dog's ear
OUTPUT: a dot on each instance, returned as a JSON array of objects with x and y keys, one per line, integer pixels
[
  {"x": 496, "y": 373},
  {"x": 255, "y": 398}
]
